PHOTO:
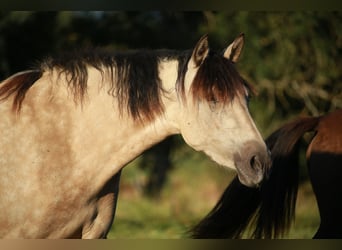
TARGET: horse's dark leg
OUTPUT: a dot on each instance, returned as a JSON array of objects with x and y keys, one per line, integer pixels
[
  {"x": 160, "y": 168},
  {"x": 159, "y": 157},
  {"x": 325, "y": 171}
]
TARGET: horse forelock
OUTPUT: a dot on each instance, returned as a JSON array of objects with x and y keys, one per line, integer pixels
[{"x": 218, "y": 80}]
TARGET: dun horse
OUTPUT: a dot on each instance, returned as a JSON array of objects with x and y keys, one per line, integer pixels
[
  {"x": 68, "y": 127},
  {"x": 269, "y": 211}
]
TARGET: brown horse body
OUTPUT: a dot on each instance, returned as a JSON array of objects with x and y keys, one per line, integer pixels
[
  {"x": 325, "y": 170},
  {"x": 269, "y": 211}
]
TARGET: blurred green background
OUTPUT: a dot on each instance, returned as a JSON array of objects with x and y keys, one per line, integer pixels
[{"x": 293, "y": 59}]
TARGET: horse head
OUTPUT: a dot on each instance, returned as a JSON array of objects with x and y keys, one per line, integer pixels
[{"x": 215, "y": 117}]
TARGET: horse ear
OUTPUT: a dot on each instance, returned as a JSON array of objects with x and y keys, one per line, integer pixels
[
  {"x": 234, "y": 49},
  {"x": 200, "y": 52}
]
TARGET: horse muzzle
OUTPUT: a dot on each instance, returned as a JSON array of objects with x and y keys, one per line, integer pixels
[{"x": 253, "y": 163}]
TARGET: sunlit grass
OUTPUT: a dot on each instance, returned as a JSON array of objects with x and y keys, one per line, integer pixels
[{"x": 307, "y": 218}]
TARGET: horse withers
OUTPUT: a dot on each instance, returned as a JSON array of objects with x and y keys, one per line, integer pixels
[{"x": 70, "y": 125}]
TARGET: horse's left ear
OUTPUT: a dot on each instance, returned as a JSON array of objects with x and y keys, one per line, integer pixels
[
  {"x": 200, "y": 52},
  {"x": 234, "y": 49}
]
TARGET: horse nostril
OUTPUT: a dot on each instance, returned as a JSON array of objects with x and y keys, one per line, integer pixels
[
  {"x": 255, "y": 163},
  {"x": 252, "y": 161}
]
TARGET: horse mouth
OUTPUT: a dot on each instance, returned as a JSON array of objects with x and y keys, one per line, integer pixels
[{"x": 252, "y": 180}]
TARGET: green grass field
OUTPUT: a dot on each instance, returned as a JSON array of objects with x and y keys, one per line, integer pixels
[{"x": 193, "y": 188}]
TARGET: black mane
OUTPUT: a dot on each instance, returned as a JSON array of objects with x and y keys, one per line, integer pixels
[
  {"x": 134, "y": 75},
  {"x": 135, "y": 78}
]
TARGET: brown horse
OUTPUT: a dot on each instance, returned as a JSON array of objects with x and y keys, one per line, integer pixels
[{"x": 269, "y": 211}]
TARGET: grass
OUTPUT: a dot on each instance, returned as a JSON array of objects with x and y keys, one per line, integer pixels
[
  {"x": 307, "y": 217},
  {"x": 193, "y": 188}
]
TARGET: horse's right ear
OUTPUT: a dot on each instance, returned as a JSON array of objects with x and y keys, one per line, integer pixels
[{"x": 200, "y": 52}]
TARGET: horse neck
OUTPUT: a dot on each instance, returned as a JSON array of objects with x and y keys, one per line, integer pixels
[
  {"x": 116, "y": 137},
  {"x": 147, "y": 133}
]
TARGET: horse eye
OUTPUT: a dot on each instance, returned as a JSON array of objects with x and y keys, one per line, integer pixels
[
  {"x": 214, "y": 101},
  {"x": 212, "y": 104}
]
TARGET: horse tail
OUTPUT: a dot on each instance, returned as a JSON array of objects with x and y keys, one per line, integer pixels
[
  {"x": 231, "y": 214},
  {"x": 269, "y": 209},
  {"x": 18, "y": 85},
  {"x": 279, "y": 193}
]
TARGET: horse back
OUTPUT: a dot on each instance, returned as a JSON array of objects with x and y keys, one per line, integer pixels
[{"x": 329, "y": 135}]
